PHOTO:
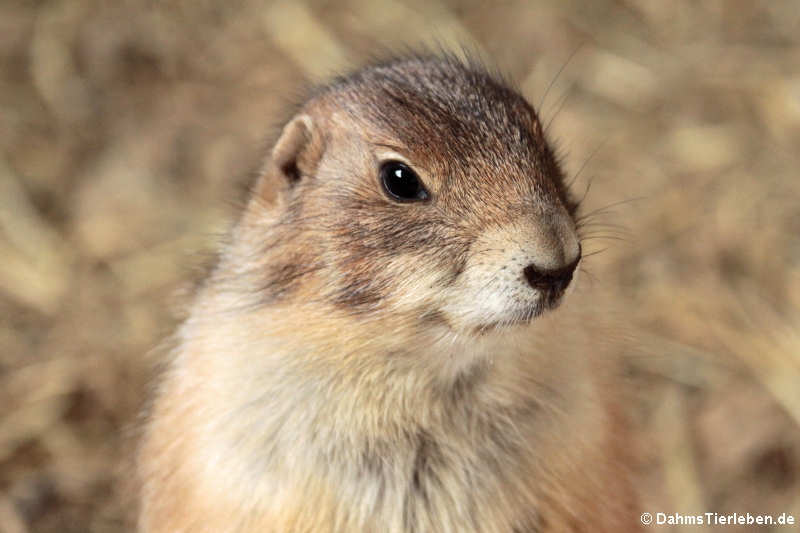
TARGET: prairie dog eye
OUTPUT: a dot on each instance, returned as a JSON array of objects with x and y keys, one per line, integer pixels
[{"x": 401, "y": 183}]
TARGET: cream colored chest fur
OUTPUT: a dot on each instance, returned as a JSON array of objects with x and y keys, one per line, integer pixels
[{"x": 372, "y": 447}]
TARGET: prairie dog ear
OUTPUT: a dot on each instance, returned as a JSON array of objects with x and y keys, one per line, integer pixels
[{"x": 294, "y": 156}]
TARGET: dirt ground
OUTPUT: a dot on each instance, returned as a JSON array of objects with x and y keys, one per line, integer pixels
[{"x": 129, "y": 129}]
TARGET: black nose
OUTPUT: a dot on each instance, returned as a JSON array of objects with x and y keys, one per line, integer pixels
[{"x": 552, "y": 282}]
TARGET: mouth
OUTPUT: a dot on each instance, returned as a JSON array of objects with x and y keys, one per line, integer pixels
[{"x": 519, "y": 317}]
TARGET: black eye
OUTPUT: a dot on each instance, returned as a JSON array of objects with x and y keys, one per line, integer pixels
[{"x": 401, "y": 183}]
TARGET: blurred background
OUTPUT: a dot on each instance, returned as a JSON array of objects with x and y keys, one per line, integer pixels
[{"x": 129, "y": 129}]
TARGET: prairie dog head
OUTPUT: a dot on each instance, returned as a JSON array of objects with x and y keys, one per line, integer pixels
[{"x": 421, "y": 190}]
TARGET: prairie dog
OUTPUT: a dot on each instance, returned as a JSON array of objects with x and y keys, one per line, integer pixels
[{"x": 369, "y": 356}]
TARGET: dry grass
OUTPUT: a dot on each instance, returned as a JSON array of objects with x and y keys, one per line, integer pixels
[{"x": 127, "y": 128}]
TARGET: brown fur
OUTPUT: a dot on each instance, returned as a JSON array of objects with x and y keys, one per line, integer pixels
[{"x": 356, "y": 364}]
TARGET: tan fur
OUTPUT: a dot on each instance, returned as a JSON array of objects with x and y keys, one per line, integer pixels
[{"x": 338, "y": 375}]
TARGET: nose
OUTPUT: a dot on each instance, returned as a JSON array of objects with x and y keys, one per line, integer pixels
[{"x": 552, "y": 282}]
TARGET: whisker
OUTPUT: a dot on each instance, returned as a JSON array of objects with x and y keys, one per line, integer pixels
[
  {"x": 599, "y": 228},
  {"x": 586, "y": 162},
  {"x": 560, "y": 105},
  {"x": 553, "y": 81},
  {"x": 590, "y": 254},
  {"x": 604, "y": 237},
  {"x": 606, "y": 208},
  {"x": 599, "y": 232},
  {"x": 592, "y": 277},
  {"x": 601, "y": 224},
  {"x": 586, "y": 192}
]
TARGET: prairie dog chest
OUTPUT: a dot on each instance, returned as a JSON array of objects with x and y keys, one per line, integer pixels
[{"x": 462, "y": 466}]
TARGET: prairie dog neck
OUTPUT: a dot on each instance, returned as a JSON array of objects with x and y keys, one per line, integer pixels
[
  {"x": 519, "y": 414},
  {"x": 418, "y": 363}
]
